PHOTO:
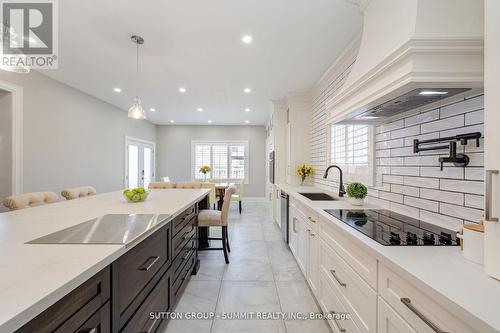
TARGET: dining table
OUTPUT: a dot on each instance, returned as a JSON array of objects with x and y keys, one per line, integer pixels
[{"x": 220, "y": 189}]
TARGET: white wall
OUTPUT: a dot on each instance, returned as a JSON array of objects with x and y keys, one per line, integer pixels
[
  {"x": 174, "y": 151},
  {"x": 5, "y": 145},
  {"x": 71, "y": 138}
]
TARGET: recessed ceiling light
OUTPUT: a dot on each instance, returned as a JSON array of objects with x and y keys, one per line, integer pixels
[
  {"x": 247, "y": 90},
  {"x": 209, "y": 121},
  {"x": 199, "y": 109},
  {"x": 117, "y": 90},
  {"x": 247, "y": 121},
  {"x": 432, "y": 93},
  {"x": 152, "y": 109},
  {"x": 172, "y": 121},
  {"x": 247, "y": 110},
  {"x": 182, "y": 90},
  {"x": 247, "y": 39}
]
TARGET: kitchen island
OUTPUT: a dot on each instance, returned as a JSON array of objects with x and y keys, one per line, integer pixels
[{"x": 36, "y": 276}]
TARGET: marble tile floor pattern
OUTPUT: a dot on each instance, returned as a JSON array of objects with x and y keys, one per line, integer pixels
[{"x": 262, "y": 276}]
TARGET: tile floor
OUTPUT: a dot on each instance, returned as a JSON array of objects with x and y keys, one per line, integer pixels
[{"x": 262, "y": 276}]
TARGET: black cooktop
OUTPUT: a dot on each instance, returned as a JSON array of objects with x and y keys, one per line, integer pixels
[{"x": 390, "y": 228}]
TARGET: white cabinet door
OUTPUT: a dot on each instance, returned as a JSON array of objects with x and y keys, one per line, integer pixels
[
  {"x": 492, "y": 138},
  {"x": 391, "y": 322},
  {"x": 313, "y": 261},
  {"x": 293, "y": 235},
  {"x": 302, "y": 247}
]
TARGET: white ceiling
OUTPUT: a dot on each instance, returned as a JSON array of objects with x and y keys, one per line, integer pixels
[{"x": 197, "y": 44}]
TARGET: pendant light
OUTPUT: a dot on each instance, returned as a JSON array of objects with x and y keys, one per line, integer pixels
[{"x": 136, "y": 111}]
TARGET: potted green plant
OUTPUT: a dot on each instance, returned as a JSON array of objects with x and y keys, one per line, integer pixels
[{"x": 356, "y": 193}]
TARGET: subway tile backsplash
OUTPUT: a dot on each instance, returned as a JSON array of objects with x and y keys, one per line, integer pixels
[
  {"x": 449, "y": 197},
  {"x": 408, "y": 183}
]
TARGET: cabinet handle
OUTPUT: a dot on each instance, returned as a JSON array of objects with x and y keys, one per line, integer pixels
[
  {"x": 488, "y": 196},
  {"x": 293, "y": 225},
  {"x": 152, "y": 261},
  {"x": 340, "y": 328},
  {"x": 407, "y": 303},
  {"x": 310, "y": 219},
  {"x": 334, "y": 274}
]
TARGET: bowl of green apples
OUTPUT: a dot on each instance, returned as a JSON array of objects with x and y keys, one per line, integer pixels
[{"x": 136, "y": 195}]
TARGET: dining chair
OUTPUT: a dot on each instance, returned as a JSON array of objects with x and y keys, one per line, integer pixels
[
  {"x": 27, "y": 200},
  {"x": 218, "y": 218},
  {"x": 78, "y": 192},
  {"x": 212, "y": 196},
  {"x": 160, "y": 185},
  {"x": 239, "y": 196}
]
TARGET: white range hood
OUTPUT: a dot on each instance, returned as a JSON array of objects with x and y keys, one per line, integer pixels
[{"x": 412, "y": 53}]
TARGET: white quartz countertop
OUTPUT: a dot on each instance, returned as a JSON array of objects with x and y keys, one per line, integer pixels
[
  {"x": 441, "y": 272},
  {"x": 35, "y": 276}
]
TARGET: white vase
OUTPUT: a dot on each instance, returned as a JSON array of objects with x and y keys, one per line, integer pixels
[{"x": 356, "y": 201}]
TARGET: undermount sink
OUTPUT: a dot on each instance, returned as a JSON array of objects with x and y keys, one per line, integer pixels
[{"x": 318, "y": 196}]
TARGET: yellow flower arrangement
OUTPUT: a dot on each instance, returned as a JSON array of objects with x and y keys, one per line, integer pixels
[
  {"x": 205, "y": 169},
  {"x": 304, "y": 171}
]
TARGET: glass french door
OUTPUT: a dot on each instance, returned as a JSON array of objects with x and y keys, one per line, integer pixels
[{"x": 140, "y": 163}]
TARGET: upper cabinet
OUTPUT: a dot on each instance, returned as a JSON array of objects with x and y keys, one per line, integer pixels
[
  {"x": 288, "y": 135},
  {"x": 492, "y": 137},
  {"x": 298, "y": 115}
]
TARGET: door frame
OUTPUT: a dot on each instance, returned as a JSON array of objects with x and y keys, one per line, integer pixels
[
  {"x": 125, "y": 160},
  {"x": 17, "y": 134}
]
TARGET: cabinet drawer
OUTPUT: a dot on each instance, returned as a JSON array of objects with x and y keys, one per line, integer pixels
[
  {"x": 361, "y": 261},
  {"x": 180, "y": 221},
  {"x": 183, "y": 256},
  {"x": 183, "y": 276},
  {"x": 136, "y": 268},
  {"x": 309, "y": 214},
  {"x": 357, "y": 296},
  {"x": 184, "y": 236},
  {"x": 389, "y": 321},
  {"x": 422, "y": 312},
  {"x": 330, "y": 303},
  {"x": 157, "y": 301},
  {"x": 74, "y": 309},
  {"x": 100, "y": 322}
]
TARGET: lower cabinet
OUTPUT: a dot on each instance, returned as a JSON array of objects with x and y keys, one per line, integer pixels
[
  {"x": 86, "y": 306},
  {"x": 389, "y": 321}
]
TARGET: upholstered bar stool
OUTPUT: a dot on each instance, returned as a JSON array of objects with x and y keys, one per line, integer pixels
[
  {"x": 28, "y": 200},
  {"x": 161, "y": 185},
  {"x": 218, "y": 218},
  {"x": 78, "y": 192}
]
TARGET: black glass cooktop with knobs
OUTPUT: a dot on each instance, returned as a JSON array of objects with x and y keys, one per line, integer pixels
[{"x": 393, "y": 229}]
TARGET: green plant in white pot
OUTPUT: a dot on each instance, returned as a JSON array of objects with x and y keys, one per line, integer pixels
[{"x": 356, "y": 193}]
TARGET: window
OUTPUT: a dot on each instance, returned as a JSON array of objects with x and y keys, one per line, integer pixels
[
  {"x": 227, "y": 159},
  {"x": 351, "y": 148}
]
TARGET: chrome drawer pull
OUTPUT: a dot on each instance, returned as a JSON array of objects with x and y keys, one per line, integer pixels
[
  {"x": 310, "y": 219},
  {"x": 407, "y": 302},
  {"x": 342, "y": 284},
  {"x": 340, "y": 328},
  {"x": 148, "y": 267},
  {"x": 488, "y": 196}
]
